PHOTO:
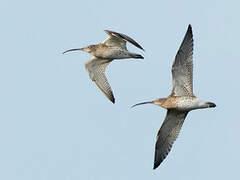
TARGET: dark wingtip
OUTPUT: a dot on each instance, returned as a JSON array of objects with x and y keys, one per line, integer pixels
[
  {"x": 155, "y": 166},
  {"x": 129, "y": 39},
  {"x": 189, "y": 28},
  {"x": 157, "y": 163},
  {"x": 113, "y": 101},
  {"x": 140, "y": 47}
]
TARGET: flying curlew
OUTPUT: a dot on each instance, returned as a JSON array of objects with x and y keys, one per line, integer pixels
[
  {"x": 180, "y": 102},
  {"x": 114, "y": 47}
]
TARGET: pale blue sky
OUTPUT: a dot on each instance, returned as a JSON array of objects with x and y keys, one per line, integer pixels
[{"x": 56, "y": 124}]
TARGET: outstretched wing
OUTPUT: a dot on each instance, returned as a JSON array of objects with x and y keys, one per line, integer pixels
[
  {"x": 96, "y": 69},
  {"x": 119, "y": 39},
  {"x": 182, "y": 68},
  {"x": 167, "y": 134}
]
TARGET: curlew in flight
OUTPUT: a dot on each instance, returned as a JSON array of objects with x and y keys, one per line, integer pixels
[
  {"x": 180, "y": 102},
  {"x": 114, "y": 47}
]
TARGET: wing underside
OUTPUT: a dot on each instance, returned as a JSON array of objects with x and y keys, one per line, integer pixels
[
  {"x": 182, "y": 68},
  {"x": 167, "y": 134},
  {"x": 96, "y": 69}
]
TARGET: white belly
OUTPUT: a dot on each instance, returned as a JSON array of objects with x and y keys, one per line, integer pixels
[
  {"x": 189, "y": 103},
  {"x": 115, "y": 53}
]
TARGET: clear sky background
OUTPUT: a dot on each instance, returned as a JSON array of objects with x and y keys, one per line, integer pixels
[{"x": 56, "y": 124}]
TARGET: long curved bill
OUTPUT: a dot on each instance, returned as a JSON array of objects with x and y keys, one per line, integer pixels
[
  {"x": 76, "y": 49},
  {"x": 148, "y": 102}
]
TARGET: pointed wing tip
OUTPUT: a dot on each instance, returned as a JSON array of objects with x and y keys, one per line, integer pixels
[
  {"x": 157, "y": 161},
  {"x": 111, "y": 97},
  {"x": 140, "y": 47},
  {"x": 108, "y": 31},
  {"x": 156, "y": 165},
  {"x": 112, "y": 100},
  {"x": 123, "y": 36},
  {"x": 189, "y": 28}
]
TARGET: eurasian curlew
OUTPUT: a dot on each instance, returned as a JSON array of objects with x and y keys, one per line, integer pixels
[
  {"x": 114, "y": 47},
  {"x": 180, "y": 102}
]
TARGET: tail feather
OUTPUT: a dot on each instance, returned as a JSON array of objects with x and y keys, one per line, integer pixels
[{"x": 137, "y": 56}]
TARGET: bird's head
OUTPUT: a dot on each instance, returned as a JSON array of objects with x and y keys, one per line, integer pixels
[{"x": 89, "y": 49}]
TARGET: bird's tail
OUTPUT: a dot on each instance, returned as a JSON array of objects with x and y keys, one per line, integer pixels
[{"x": 137, "y": 56}]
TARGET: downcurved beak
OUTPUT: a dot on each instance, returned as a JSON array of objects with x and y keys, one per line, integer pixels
[
  {"x": 76, "y": 49},
  {"x": 148, "y": 102}
]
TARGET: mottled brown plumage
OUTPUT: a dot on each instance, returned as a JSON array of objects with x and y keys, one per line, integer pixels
[
  {"x": 114, "y": 47},
  {"x": 180, "y": 102}
]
